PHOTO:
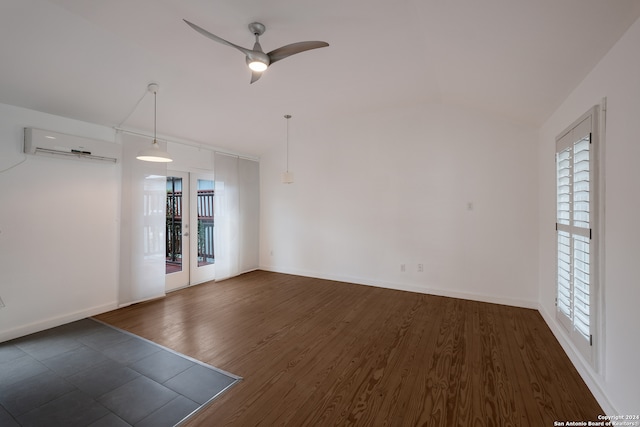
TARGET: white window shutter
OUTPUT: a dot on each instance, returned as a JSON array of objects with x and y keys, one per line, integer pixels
[{"x": 575, "y": 186}]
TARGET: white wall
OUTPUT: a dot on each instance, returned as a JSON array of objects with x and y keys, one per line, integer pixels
[
  {"x": 617, "y": 77},
  {"x": 58, "y": 228},
  {"x": 379, "y": 189}
]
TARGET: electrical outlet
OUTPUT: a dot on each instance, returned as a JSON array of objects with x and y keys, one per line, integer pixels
[
  {"x": 420, "y": 268},
  {"x": 403, "y": 268}
]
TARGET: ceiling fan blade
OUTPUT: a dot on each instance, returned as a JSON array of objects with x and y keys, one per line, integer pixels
[
  {"x": 292, "y": 49},
  {"x": 255, "y": 75},
  {"x": 216, "y": 38}
]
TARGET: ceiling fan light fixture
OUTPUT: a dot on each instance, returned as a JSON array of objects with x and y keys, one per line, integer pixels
[
  {"x": 257, "y": 61},
  {"x": 257, "y": 66}
]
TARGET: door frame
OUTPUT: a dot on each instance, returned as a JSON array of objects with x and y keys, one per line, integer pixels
[{"x": 191, "y": 273}]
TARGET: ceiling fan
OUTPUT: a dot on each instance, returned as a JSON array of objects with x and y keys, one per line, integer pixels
[{"x": 257, "y": 60}]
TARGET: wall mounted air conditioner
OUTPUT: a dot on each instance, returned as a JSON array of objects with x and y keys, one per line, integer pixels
[{"x": 38, "y": 141}]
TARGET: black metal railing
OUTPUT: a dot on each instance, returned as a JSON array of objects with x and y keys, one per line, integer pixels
[{"x": 204, "y": 230}]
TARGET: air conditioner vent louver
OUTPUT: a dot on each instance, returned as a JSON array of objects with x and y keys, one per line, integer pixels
[{"x": 54, "y": 144}]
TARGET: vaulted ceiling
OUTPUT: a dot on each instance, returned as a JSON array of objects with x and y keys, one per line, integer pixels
[{"x": 92, "y": 60}]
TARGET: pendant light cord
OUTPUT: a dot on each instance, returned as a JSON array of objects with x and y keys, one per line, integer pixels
[
  {"x": 287, "y": 116},
  {"x": 155, "y": 115},
  {"x": 135, "y": 107}
]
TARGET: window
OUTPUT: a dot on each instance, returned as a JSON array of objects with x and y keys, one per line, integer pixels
[{"x": 576, "y": 197}]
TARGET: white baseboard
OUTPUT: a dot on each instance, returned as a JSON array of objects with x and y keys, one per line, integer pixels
[
  {"x": 52, "y": 322},
  {"x": 412, "y": 288},
  {"x": 587, "y": 373}
]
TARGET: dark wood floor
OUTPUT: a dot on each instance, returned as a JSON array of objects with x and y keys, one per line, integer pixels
[{"x": 319, "y": 353}]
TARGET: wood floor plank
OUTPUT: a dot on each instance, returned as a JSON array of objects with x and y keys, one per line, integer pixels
[{"x": 315, "y": 352}]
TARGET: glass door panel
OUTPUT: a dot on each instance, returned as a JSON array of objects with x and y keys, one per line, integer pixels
[
  {"x": 174, "y": 225},
  {"x": 205, "y": 222},
  {"x": 177, "y": 224},
  {"x": 202, "y": 265}
]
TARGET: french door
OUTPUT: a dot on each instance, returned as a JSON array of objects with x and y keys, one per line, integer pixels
[{"x": 190, "y": 257}]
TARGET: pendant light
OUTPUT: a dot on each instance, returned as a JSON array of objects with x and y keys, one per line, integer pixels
[
  {"x": 155, "y": 153},
  {"x": 287, "y": 177}
]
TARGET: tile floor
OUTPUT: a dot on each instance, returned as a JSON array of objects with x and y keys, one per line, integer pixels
[{"x": 87, "y": 373}]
